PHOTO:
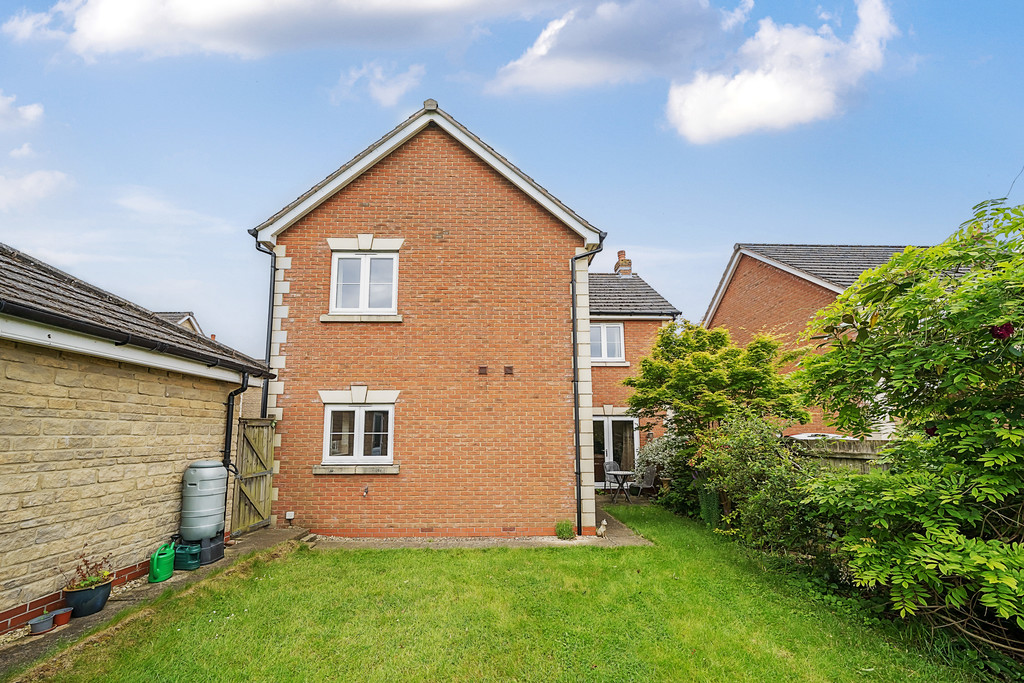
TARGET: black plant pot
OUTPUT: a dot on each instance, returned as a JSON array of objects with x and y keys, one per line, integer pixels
[{"x": 86, "y": 601}]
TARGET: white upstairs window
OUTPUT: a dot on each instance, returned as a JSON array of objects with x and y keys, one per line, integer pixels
[
  {"x": 606, "y": 342},
  {"x": 364, "y": 283}
]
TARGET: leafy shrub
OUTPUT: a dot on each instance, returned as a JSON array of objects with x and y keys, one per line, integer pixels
[
  {"x": 932, "y": 340},
  {"x": 565, "y": 530}
]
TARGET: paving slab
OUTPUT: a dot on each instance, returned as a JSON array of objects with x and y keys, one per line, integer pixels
[
  {"x": 617, "y": 535},
  {"x": 22, "y": 651}
]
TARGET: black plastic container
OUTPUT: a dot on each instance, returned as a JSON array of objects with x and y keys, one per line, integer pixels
[{"x": 211, "y": 549}]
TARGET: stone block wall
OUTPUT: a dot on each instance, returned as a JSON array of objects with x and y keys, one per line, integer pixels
[{"x": 92, "y": 454}]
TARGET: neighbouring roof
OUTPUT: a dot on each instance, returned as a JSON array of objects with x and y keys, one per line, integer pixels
[
  {"x": 36, "y": 291},
  {"x": 839, "y": 264},
  {"x": 180, "y": 318},
  {"x": 626, "y": 296},
  {"x": 268, "y": 231},
  {"x": 832, "y": 266}
]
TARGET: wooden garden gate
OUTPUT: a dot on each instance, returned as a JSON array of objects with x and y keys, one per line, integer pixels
[{"x": 254, "y": 459}]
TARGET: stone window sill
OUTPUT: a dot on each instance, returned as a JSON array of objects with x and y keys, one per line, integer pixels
[
  {"x": 327, "y": 318},
  {"x": 609, "y": 363},
  {"x": 355, "y": 469}
]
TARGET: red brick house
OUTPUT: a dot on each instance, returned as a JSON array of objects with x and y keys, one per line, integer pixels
[
  {"x": 777, "y": 289},
  {"x": 625, "y": 315},
  {"x": 432, "y": 338}
]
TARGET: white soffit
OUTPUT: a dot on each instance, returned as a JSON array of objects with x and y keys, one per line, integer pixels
[
  {"x": 269, "y": 233},
  {"x": 29, "y": 332}
]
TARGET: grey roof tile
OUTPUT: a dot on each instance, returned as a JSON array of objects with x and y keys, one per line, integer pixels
[
  {"x": 614, "y": 295},
  {"x": 839, "y": 264},
  {"x": 35, "y": 290}
]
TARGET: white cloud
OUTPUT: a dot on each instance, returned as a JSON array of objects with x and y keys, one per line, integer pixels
[
  {"x": 12, "y": 116},
  {"x": 145, "y": 206},
  {"x": 738, "y": 16},
  {"x": 385, "y": 87},
  {"x": 23, "y": 152},
  {"x": 787, "y": 75},
  {"x": 18, "y": 191},
  {"x": 250, "y": 28},
  {"x": 613, "y": 42}
]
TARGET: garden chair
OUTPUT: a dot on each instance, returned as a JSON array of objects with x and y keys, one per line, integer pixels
[
  {"x": 610, "y": 482},
  {"x": 647, "y": 482}
]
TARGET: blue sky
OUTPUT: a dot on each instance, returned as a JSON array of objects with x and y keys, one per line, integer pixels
[{"x": 140, "y": 139}]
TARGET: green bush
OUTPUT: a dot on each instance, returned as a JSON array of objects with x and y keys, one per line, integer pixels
[
  {"x": 565, "y": 530},
  {"x": 933, "y": 340}
]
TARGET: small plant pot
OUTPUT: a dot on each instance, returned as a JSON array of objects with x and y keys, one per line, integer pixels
[
  {"x": 41, "y": 624},
  {"x": 86, "y": 601},
  {"x": 62, "y": 616}
]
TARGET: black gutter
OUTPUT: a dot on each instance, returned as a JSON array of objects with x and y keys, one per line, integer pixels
[
  {"x": 270, "y": 317},
  {"x": 576, "y": 379},
  {"x": 121, "y": 338}
]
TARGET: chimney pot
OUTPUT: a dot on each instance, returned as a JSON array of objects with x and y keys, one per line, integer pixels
[{"x": 623, "y": 267}]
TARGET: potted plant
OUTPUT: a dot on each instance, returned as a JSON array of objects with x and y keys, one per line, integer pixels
[
  {"x": 40, "y": 624},
  {"x": 62, "y": 616},
  {"x": 88, "y": 587}
]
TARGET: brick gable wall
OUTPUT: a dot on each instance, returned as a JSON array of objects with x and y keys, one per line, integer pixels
[
  {"x": 483, "y": 280},
  {"x": 763, "y": 298}
]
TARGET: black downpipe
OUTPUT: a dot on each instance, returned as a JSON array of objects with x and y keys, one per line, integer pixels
[
  {"x": 270, "y": 321},
  {"x": 576, "y": 381},
  {"x": 228, "y": 429}
]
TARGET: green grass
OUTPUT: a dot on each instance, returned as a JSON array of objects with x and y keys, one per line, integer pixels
[{"x": 692, "y": 607}]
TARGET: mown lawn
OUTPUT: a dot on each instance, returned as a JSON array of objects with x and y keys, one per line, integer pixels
[{"x": 690, "y": 608}]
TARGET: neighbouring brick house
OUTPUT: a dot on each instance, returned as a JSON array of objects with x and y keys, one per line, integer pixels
[
  {"x": 625, "y": 316},
  {"x": 431, "y": 381},
  {"x": 778, "y": 288},
  {"x": 102, "y": 407}
]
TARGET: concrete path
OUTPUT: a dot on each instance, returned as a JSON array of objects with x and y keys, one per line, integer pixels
[
  {"x": 617, "y": 535},
  {"x": 22, "y": 651}
]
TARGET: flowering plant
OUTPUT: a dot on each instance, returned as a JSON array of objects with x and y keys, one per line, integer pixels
[{"x": 88, "y": 573}]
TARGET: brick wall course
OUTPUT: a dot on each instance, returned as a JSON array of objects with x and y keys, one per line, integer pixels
[
  {"x": 100, "y": 463},
  {"x": 762, "y": 298},
  {"x": 483, "y": 280}
]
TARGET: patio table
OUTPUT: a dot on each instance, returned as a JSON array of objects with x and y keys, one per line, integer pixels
[{"x": 620, "y": 479}]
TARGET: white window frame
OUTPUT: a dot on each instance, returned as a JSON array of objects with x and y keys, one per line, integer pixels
[
  {"x": 358, "y": 438},
  {"x": 604, "y": 357},
  {"x": 364, "y": 282},
  {"x": 607, "y": 421}
]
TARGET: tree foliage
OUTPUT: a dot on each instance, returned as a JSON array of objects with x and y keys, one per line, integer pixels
[
  {"x": 695, "y": 377},
  {"x": 932, "y": 341}
]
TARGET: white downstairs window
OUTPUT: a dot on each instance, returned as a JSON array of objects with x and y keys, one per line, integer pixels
[
  {"x": 358, "y": 434},
  {"x": 606, "y": 342}
]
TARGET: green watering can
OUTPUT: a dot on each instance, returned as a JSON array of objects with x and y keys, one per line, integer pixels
[{"x": 161, "y": 563}]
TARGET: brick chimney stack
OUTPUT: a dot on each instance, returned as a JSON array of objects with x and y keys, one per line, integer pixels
[{"x": 623, "y": 267}]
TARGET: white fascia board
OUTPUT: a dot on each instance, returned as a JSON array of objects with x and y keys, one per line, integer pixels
[
  {"x": 794, "y": 271},
  {"x": 723, "y": 285},
  {"x": 731, "y": 269},
  {"x": 268, "y": 235},
  {"x": 29, "y": 332},
  {"x": 625, "y": 318}
]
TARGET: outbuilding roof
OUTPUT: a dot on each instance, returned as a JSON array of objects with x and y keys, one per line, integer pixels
[
  {"x": 36, "y": 291},
  {"x": 611, "y": 294}
]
